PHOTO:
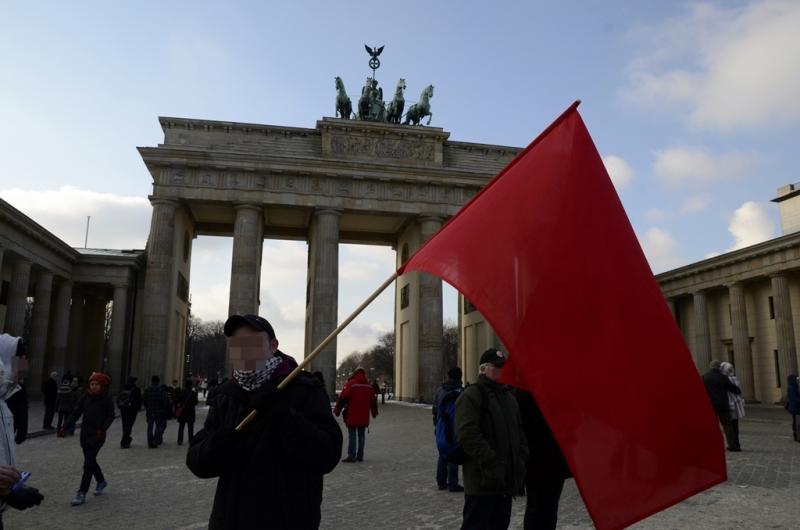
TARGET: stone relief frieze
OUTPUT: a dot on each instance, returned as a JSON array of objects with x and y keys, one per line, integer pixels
[
  {"x": 382, "y": 148},
  {"x": 308, "y": 184}
]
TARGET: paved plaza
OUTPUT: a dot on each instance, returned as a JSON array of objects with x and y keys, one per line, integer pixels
[{"x": 393, "y": 488}]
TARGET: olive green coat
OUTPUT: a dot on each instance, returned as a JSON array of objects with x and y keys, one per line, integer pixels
[{"x": 489, "y": 429}]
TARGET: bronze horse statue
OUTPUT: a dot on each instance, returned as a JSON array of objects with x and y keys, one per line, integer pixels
[
  {"x": 344, "y": 107},
  {"x": 395, "y": 109},
  {"x": 419, "y": 110}
]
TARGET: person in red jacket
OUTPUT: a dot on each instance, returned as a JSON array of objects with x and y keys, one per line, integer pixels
[{"x": 355, "y": 403}]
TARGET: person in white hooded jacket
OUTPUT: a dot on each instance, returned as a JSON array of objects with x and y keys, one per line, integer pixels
[{"x": 23, "y": 497}]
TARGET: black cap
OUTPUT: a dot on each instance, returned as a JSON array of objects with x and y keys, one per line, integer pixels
[
  {"x": 234, "y": 322},
  {"x": 493, "y": 356}
]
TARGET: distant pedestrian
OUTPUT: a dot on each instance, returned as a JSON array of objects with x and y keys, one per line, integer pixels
[
  {"x": 97, "y": 410},
  {"x": 717, "y": 386},
  {"x": 376, "y": 389},
  {"x": 129, "y": 402},
  {"x": 444, "y": 427},
  {"x": 383, "y": 392},
  {"x": 156, "y": 407},
  {"x": 735, "y": 402},
  {"x": 204, "y": 387},
  {"x": 547, "y": 468},
  {"x": 793, "y": 404},
  {"x": 185, "y": 410},
  {"x": 66, "y": 399},
  {"x": 49, "y": 391},
  {"x": 355, "y": 403},
  {"x": 489, "y": 428}
]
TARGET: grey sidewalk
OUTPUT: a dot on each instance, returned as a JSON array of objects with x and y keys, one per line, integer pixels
[{"x": 393, "y": 488}]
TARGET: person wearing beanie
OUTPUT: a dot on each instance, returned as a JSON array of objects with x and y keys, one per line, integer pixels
[
  {"x": 97, "y": 410},
  {"x": 446, "y": 396},
  {"x": 717, "y": 387},
  {"x": 270, "y": 474}
]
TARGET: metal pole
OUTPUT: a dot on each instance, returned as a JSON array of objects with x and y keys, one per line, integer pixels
[{"x": 86, "y": 240}]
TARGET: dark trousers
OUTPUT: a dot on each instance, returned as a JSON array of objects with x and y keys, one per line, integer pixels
[
  {"x": 62, "y": 419},
  {"x": 49, "y": 412},
  {"x": 90, "y": 468},
  {"x": 155, "y": 430},
  {"x": 541, "y": 508},
  {"x": 181, "y": 425},
  {"x": 352, "y": 433},
  {"x": 731, "y": 432},
  {"x": 128, "y": 419},
  {"x": 446, "y": 474},
  {"x": 486, "y": 512}
]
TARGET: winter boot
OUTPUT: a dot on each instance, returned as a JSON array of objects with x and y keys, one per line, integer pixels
[
  {"x": 100, "y": 487},
  {"x": 79, "y": 498}
]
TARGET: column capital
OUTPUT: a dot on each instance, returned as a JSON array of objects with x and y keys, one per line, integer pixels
[
  {"x": 248, "y": 206},
  {"x": 163, "y": 202},
  {"x": 328, "y": 211},
  {"x": 734, "y": 284},
  {"x": 778, "y": 275},
  {"x": 430, "y": 218}
]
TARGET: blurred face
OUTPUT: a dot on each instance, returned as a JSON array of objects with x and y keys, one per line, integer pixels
[
  {"x": 94, "y": 386},
  {"x": 249, "y": 347},
  {"x": 493, "y": 372}
]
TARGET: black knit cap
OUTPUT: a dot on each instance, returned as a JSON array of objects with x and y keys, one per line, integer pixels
[
  {"x": 494, "y": 357},
  {"x": 234, "y": 322}
]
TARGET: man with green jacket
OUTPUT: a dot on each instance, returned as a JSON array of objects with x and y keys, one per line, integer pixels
[{"x": 489, "y": 429}]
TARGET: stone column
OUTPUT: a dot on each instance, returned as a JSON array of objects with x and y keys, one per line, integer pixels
[
  {"x": 248, "y": 240},
  {"x": 743, "y": 358},
  {"x": 2, "y": 251},
  {"x": 116, "y": 344},
  {"x": 61, "y": 321},
  {"x": 431, "y": 352},
  {"x": 323, "y": 303},
  {"x": 77, "y": 315},
  {"x": 17, "y": 298},
  {"x": 39, "y": 325},
  {"x": 784, "y": 329},
  {"x": 671, "y": 305},
  {"x": 158, "y": 290},
  {"x": 702, "y": 343}
]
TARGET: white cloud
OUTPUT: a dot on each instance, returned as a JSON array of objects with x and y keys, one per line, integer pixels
[
  {"x": 696, "y": 167},
  {"x": 711, "y": 255},
  {"x": 694, "y": 204},
  {"x": 661, "y": 250},
  {"x": 117, "y": 221},
  {"x": 750, "y": 224},
  {"x": 729, "y": 67},
  {"x": 655, "y": 215},
  {"x": 619, "y": 170}
]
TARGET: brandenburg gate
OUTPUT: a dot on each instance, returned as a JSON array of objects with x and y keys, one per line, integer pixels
[{"x": 345, "y": 181}]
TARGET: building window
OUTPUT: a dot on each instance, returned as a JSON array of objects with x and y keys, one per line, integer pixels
[
  {"x": 771, "y": 308},
  {"x": 777, "y": 368},
  {"x": 4, "y": 293},
  {"x": 468, "y": 307},
  {"x": 404, "y": 292}
]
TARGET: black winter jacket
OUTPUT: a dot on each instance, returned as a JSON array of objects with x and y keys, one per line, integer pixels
[
  {"x": 186, "y": 402},
  {"x": 156, "y": 402},
  {"x": 271, "y": 477},
  {"x": 717, "y": 386},
  {"x": 98, "y": 415},
  {"x": 546, "y": 458}
]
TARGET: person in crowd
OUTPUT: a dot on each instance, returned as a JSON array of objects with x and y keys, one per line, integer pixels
[
  {"x": 129, "y": 402},
  {"x": 717, "y": 387},
  {"x": 735, "y": 403},
  {"x": 376, "y": 390},
  {"x": 25, "y": 497},
  {"x": 49, "y": 392},
  {"x": 355, "y": 403},
  {"x": 204, "y": 387},
  {"x": 185, "y": 410},
  {"x": 97, "y": 410},
  {"x": 271, "y": 472},
  {"x": 444, "y": 422},
  {"x": 793, "y": 403},
  {"x": 489, "y": 428},
  {"x": 383, "y": 392},
  {"x": 66, "y": 399},
  {"x": 547, "y": 468},
  {"x": 156, "y": 408}
]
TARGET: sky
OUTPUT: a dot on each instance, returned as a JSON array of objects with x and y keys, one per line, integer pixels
[{"x": 693, "y": 106}]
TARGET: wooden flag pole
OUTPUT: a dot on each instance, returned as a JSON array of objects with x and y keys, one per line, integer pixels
[{"x": 322, "y": 345}]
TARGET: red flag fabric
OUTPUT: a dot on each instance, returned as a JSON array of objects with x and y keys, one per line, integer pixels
[{"x": 547, "y": 255}]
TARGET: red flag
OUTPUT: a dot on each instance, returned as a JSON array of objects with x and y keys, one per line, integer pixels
[{"x": 547, "y": 254}]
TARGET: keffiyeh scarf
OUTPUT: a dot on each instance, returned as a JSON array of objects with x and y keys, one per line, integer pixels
[{"x": 253, "y": 379}]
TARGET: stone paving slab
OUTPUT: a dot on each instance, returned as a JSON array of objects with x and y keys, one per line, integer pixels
[{"x": 394, "y": 488}]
